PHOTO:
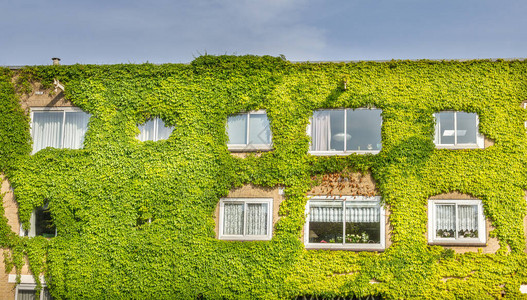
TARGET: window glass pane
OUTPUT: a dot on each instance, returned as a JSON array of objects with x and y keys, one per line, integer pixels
[
  {"x": 163, "y": 132},
  {"x": 364, "y": 129},
  {"x": 362, "y": 224},
  {"x": 325, "y": 222},
  {"x": 327, "y": 130},
  {"x": 445, "y": 221},
  {"x": 147, "y": 131},
  {"x": 237, "y": 129},
  {"x": 47, "y": 129},
  {"x": 259, "y": 130},
  {"x": 75, "y": 128},
  {"x": 466, "y": 128},
  {"x": 445, "y": 126},
  {"x": 467, "y": 221},
  {"x": 44, "y": 223},
  {"x": 26, "y": 295},
  {"x": 233, "y": 218},
  {"x": 257, "y": 219}
]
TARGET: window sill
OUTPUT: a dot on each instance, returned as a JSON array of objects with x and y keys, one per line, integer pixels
[
  {"x": 250, "y": 148},
  {"x": 459, "y": 147},
  {"x": 247, "y": 239},
  {"x": 458, "y": 244},
  {"x": 355, "y": 247},
  {"x": 342, "y": 153}
]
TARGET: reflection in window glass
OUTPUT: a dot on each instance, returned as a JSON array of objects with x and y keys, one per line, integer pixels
[
  {"x": 237, "y": 129},
  {"x": 466, "y": 128},
  {"x": 250, "y": 128},
  {"x": 456, "y": 128},
  {"x": 259, "y": 132},
  {"x": 346, "y": 130}
]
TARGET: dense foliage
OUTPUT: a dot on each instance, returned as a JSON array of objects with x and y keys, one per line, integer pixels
[{"x": 100, "y": 196}]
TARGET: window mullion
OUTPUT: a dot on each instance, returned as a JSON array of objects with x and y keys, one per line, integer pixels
[
  {"x": 455, "y": 130},
  {"x": 456, "y": 222},
  {"x": 248, "y": 126},
  {"x": 345, "y": 130},
  {"x": 155, "y": 129},
  {"x": 344, "y": 222}
]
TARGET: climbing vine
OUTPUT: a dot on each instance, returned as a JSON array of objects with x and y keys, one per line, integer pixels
[{"x": 101, "y": 196}]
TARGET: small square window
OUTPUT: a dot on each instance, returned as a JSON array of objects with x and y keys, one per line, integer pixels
[
  {"x": 246, "y": 219},
  {"x": 62, "y": 127},
  {"x": 345, "y": 131},
  {"x": 347, "y": 223},
  {"x": 40, "y": 224},
  {"x": 249, "y": 131},
  {"x": 154, "y": 130},
  {"x": 456, "y": 222},
  {"x": 457, "y": 130}
]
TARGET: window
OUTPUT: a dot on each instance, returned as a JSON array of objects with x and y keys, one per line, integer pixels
[
  {"x": 246, "y": 218},
  {"x": 41, "y": 224},
  {"x": 456, "y": 222},
  {"x": 249, "y": 131},
  {"x": 154, "y": 130},
  {"x": 456, "y": 129},
  {"x": 344, "y": 131},
  {"x": 62, "y": 127},
  {"x": 26, "y": 288},
  {"x": 348, "y": 223}
]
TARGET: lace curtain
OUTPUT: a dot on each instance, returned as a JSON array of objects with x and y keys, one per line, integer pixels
[
  {"x": 255, "y": 224},
  {"x": 321, "y": 131},
  {"x": 355, "y": 214},
  {"x": 54, "y": 129},
  {"x": 467, "y": 219}
]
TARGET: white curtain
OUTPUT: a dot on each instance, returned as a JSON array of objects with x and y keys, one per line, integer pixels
[
  {"x": 467, "y": 217},
  {"x": 163, "y": 131},
  {"x": 362, "y": 214},
  {"x": 26, "y": 295},
  {"x": 326, "y": 213},
  {"x": 233, "y": 218},
  {"x": 47, "y": 129},
  {"x": 256, "y": 219},
  {"x": 147, "y": 131},
  {"x": 74, "y": 129},
  {"x": 259, "y": 131},
  {"x": 237, "y": 129},
  {"x": 445, "y": 217},
  {"x": 321, "y": 131}
]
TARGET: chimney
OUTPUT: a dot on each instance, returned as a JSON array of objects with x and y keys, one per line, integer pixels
[{"x": 56, "y": 61}]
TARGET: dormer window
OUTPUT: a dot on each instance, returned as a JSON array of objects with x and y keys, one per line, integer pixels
[
  {"x": 249, "y": 131},
  {"x": 154, "y": 130},
  {"x": 58, "y": 127},
  {"x": 457, "y": 130},
  {"x": 345, "y": 131}
]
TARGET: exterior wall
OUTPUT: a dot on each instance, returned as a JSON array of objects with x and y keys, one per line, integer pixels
[
  {"x": 252, "y": 191},
  {"x": 43, "y": 98},
  {"x": 492, "y": 242},
  {"x": 7, "y": 290}
]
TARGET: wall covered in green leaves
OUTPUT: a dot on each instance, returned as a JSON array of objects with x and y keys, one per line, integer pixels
[{"x": 100, "y": 196}]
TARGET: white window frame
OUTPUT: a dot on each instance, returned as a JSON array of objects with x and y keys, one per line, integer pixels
[
  {"x": 482, "y": 234},
  {"x": 361, "y": 201},
  {"x": 480, "y": 139},
  {"x": 156, "y": 127},
  {"x": 339, "y": 152},
  {"x": 64, "y": 110},
  {"x": 27, "y": 282},
  {"x": 245, "y": 201},
  {"x": 32, "y": 230},
  {"x": 248, "y": 146}
]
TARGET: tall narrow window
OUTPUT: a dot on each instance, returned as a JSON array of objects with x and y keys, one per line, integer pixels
[
  {"x": 249, "y": 131},
  {"x": 58, "y": 127},
  {"x": 456, "y": 221},
  {"x": 154, "y": 130},
  {"x": 352, "y": 223},
  {"x": 345, "y": 131},
  {"x": 245, "y": 218},
  {"x": 456, "y": 129}
]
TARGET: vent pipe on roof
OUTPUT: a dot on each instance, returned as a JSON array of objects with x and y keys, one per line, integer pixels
[{"x": 56, "y": 61}]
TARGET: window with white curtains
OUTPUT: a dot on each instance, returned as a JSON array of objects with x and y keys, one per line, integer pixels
[
  {"x": 249, "y": 131},
  {"x": 154, "y": 130},
  {"x": 58, "y": 127},
  {"x": 345, "y": 131},
  {"x": 456, "y": 221},
  {"x": 457, "y": 129},
  {"x": 246, "y": 218},
  {"x": 349, "y": 222}
]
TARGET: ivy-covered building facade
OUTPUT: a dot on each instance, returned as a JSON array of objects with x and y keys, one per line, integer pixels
[{"x": 257, "y": 178}]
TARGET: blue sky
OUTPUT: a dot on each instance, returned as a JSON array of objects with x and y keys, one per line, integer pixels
[{"x": 163, "y": 31}]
